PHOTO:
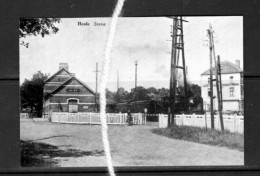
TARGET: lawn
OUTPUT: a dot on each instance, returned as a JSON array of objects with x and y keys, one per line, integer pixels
[
  {"x": 46, "y": 144},
  {"x": 204, "y": 136}
]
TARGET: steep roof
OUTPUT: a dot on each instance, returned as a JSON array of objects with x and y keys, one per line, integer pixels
[
  {"x": 57, "y": 73},
  {"x": 226, "y": 68},
  {"x": 68, "y": 81}
]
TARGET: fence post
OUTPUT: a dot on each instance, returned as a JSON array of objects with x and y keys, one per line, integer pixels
[
  {"x": 206, "y": 121},
  {"x": 120, "y": 121},
  {"x": 193, "y": 117},
  {"x": 140, "y": 118},
  {"x": 90, "y": 118},
  {"x": 235, "y": 123},
  {"x": 182, "y": 119}
]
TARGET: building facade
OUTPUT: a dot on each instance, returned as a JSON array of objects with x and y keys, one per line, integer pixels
[
  {"x": 232, "y": 87},
  {"x": 63, "y": 92}
]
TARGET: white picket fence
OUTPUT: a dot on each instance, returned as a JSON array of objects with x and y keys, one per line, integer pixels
[
  {"x": 232, "y": 123},
  {"x": 94, "y": 118},
  {"x": 24, "y": 115}
]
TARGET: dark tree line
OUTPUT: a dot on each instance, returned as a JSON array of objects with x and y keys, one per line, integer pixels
[
  {"x": 31, "y": 94},
  {"x": 158, "y": 97}
]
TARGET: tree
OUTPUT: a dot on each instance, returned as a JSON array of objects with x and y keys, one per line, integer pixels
[
  {"x": 110, "y": 97},
  {"x": 195, "y": 89},
  {"x": 140, "y": 93},
  {"x": 31, "y": 93},
  {"x": 121, "y": 95},
  {"x": 37, "y": 26}
]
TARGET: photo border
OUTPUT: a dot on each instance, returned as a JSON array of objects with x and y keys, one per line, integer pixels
[{"x": 11, "y": 11}]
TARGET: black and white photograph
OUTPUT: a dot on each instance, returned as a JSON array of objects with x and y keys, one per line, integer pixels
[{"x": 174, "y": 94}]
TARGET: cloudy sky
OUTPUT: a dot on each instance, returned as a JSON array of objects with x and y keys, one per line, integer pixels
[{"x": 143, "y": 39}]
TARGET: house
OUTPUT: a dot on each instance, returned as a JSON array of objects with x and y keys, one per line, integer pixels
[
  {"x": 232, "y": 87},
  {"x": 63, "y": 92}
]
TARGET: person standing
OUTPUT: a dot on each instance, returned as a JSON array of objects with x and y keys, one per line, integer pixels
[{"x": 129, "y": 118}]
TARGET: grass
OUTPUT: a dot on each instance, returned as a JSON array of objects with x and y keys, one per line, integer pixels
[{"x": 203, "y": 136}]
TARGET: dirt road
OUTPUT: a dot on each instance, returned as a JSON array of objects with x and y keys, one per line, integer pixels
[{"x": 81, "y": 146}]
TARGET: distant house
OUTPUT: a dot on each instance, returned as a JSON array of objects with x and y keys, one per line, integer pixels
[
  {"x": 232, "y": 87},
  {"x": 63, "y": 92}
]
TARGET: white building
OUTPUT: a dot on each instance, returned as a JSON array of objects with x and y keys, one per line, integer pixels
[{"x": 232, "y": 87}]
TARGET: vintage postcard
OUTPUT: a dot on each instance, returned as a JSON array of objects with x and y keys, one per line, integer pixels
[{"x": 175, "y": 94}]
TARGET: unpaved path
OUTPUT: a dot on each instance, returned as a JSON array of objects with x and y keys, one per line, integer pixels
[{"x": 130, "y": 146}]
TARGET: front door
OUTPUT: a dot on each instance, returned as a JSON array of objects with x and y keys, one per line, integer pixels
[{"x": 73, "y": 106}]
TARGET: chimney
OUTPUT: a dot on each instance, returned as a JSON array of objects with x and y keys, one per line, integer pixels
[
  {"x": 63, "y": 65},
  {"x": 237, "y": 63}
]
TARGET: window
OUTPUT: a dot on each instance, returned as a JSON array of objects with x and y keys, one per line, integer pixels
[
  {"x": 73, "y": 90},
  {"x": 231, "y": 91},
  {"x": 209, "y": 92},
  {"x": 231, "y": 79}
]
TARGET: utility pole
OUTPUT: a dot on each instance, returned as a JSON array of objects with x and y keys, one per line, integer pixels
[
  {"x": 136, "y": 63},
  {"x": 220, "y": 94},
  {"x": 177, "y": 47},
  {"x": 217, "y": 84},
  {"x": 217, "y": 79},
  {"x": 96, "y": 105},
  {"x": 211, "y": 79},
  {"x": 117, "y": 80},
  {"x": 220, "y": 80}
]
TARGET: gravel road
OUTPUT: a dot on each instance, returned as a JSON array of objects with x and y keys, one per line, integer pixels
[{"x": 130, "y": 146}]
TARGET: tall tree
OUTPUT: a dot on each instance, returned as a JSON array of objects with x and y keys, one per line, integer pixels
[{"x": 31, "y": 93}]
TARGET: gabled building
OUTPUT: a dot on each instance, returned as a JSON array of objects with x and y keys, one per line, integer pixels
[
  {"x": 232, "y": 87},
  {"x": 63, "y": 92}
]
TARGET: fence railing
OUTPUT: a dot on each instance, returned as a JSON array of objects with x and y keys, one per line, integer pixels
[
  {"x": 24, "y": 115},
  {"x": 232, "y": 123},
  {"x": 94, "y": 118}
]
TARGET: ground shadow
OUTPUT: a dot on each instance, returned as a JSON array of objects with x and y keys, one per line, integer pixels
[
  {"x": 48, "y": 138},
  {"x": 38, "y": 154}
]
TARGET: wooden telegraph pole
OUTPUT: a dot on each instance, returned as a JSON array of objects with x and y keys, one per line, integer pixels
[
  {"x": 136, "y": 63},
  {"x": 218, "y": 82},
  {"x": 96, "y": 105},
  {"x": 217, "y": 85},
  {"x": 177, "y": 47},
  {"x": 211, "y": 79},
  {"x": 117, "y": 80},
  {"x": 220, "y": 94}
]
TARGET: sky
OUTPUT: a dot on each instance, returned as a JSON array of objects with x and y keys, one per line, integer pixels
[{"x": 145, "y": 39}]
